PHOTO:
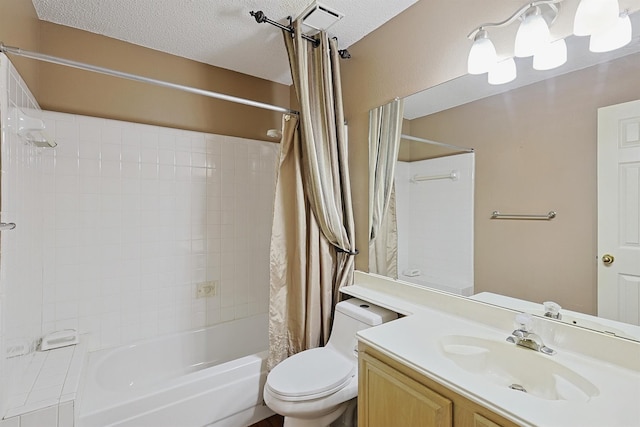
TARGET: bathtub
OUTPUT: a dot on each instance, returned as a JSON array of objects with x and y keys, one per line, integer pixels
[{"x": 209, "y": 377}]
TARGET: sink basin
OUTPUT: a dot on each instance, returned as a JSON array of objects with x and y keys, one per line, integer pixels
[{"x": 519, "y": 369}]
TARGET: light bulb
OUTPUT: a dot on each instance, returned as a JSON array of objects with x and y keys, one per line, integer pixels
[
  {"x": 552, "y": 56},
  {"x": 533, "y": 34},
  {"x": 482, "y": 55},
  {"x": 594, "y": 16},
  {"x": 503, "y": 72},
  {"x": 613, "y": 38}
]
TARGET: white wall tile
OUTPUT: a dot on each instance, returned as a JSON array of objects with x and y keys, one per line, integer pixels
[
  {"x": 10, "y": 422},
  {"x": 66, "y": 415},
  {"x": 21, "y": 281},
  {"x": 135, "y": 275},
  {"x": 47, "y": 417},
  {"x": 117, "y": 226}
]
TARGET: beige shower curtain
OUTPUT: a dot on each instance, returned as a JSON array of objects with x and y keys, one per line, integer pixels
[
  {"x": 312, "y": 243},
  {"x": 385, "y": 129}
]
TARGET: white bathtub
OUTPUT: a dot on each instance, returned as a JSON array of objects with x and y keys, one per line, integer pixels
[{"x": 212, "y": 376}]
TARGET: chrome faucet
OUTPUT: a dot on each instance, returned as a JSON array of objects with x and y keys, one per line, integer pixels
[
  {"x": 552, "y": 310},
  {"x": 524, "y": 336}
]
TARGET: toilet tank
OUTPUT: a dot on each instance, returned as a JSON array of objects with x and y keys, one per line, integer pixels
[{"x": 351, "y": 316}]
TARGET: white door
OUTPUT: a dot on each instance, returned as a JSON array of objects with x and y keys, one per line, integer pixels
[{"x": 619, "y": 212}]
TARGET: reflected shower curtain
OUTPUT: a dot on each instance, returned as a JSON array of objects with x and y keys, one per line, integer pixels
[
  {"x": 385, "y": 129},
  {"x": 312, "y": 243}
]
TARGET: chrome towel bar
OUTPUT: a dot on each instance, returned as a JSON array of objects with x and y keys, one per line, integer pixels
[
  {"x": 453, "y": 175},
  {"x": 547, "y": 217}
]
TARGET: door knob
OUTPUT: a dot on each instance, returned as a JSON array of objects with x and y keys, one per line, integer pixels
[{"x": 608, "y": 259}]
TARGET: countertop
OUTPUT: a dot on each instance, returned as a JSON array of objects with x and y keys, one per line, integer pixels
[{"x": 611, "y": 364}]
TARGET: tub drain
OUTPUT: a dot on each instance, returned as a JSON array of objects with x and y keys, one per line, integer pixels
[{"x": 517, "y": 387}]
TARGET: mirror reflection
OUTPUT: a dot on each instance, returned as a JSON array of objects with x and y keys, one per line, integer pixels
[{"x": 526, "y": 148}]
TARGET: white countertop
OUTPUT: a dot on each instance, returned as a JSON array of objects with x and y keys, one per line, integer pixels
[{"x": 611, "y": 364}]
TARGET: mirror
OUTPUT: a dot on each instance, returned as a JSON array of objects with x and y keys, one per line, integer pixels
[{"x": 535, "y": 148}]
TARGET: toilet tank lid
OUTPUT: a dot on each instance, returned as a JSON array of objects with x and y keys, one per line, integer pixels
[{"x": 365, "y": 312}]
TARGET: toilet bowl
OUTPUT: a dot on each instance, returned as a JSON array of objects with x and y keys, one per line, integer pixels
[{"x": 315, "y": 387}]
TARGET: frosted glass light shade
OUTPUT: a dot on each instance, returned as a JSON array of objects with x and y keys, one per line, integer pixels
[
  {"x": 595, "y": 16},
  {"x": 503, "y": 72},
  {"x": 532, "y": 36},
  {"x": 613, "y": 38},
  {"x": 552, "y": 56},
  {"x": 482, "y": 56}
]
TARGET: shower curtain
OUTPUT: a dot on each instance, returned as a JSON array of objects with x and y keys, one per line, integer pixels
[
  {"x": 385, "y": 128},
  {"x": 312, "y": 243}
]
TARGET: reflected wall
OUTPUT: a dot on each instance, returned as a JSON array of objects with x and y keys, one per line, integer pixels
[{"x": 536, "y": 152}]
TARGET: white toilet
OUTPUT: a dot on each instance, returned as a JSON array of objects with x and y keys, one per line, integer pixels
[{"x": 315, "y": 387}]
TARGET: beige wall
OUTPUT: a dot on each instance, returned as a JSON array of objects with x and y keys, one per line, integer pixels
[
  {"x": 422, "y": 47},
  {"x": 80, "y": 92},
  {"x": 427, "y": 45},
  {"x": 536, "y": 152},
  {"x": 19, "y": 26}
]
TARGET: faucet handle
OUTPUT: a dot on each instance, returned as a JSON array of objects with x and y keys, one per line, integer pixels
[
  {"x": 551, "y": 309},
  {"x": 525, "y": 322}
]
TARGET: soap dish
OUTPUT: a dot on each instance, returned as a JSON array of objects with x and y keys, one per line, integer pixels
[{"x": 59, "y": 339}]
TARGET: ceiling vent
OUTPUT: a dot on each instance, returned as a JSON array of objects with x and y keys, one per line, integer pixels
[{"x": 319, "y": 17}]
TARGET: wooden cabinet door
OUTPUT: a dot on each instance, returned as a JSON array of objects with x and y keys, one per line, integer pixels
[
  {"x": 389, "y": 398},
  {"x": 480, "y": 421}
]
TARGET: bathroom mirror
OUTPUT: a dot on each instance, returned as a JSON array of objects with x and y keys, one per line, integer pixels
[{"x": 535, "y": 150}]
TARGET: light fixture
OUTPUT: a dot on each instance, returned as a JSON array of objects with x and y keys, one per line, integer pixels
[
  {"x": 482, "y": 56},
  {"x": 613, "y": 38},
  {"x": 503, "y": 72},
  {"x": 593, "y": 16},
  {"x": 532, "y": 37},
  {"x": 533, "y": 34},
  {"x": 552, "y": 56},
  {"x": 601, "y": 19}
]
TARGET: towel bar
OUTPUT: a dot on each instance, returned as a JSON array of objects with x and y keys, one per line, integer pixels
[{"x": 547, "y": 217}]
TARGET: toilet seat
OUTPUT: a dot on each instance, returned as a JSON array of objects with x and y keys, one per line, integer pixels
[{"x": 310, "y": 374}]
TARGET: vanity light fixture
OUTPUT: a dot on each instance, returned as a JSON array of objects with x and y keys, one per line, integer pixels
[
  {"x": 593, "y": 16},
  {"x": 532, "y": 37},
  {"x": 552, "y": 56},
  {"x": 503, "y": 72},
  {"x": 613, "y": 38},
  {"x": 482, "y": 55},
  {"x": 600, "y": 19},
  {"x": 533, "y": 34}
]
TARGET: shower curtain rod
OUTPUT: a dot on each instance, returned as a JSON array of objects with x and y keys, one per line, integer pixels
[
  {"x": 114, "y": 73},
  {"x": 260, "y": 17},
  {"x": 442, "y": 144}
]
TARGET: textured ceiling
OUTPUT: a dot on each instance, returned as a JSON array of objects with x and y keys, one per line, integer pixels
[{"x": 216, "y": 32}]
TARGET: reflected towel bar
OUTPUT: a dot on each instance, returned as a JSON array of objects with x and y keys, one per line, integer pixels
[
  {"x": 547, "y": 217},
  {"x": 453, "y": 176}
]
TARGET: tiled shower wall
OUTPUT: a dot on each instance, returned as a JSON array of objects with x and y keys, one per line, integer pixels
[
  {"x": 137, "y": 216},
  {"x": 435, "y": 223},
  {"x": 21, "y": 248},
  {"x": 118, "y": 224}
]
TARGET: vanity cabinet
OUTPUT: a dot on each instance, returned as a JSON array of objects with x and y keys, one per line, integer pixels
[{"x": 392, "y": 394}]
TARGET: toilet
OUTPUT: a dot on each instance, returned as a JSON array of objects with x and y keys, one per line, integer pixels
[{"x": 316, "y": 387}]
